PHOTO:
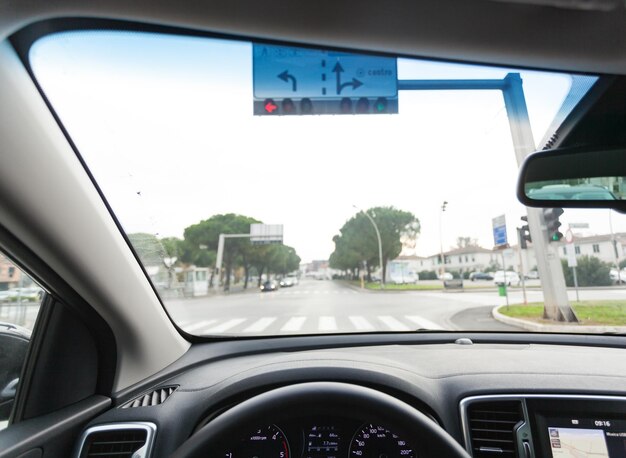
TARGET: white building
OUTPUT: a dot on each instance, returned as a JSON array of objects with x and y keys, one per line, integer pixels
[
  {"x": 466, "y": 259},
  {"x": 607, "y": 248},
  {"x": 611, "y": 249}
]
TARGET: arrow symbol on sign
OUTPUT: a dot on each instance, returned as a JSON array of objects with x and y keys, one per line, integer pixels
[
  {"x": 270, "y": 107},
  {"x": 355, "y": 83},
  {"x": 285, "y": 76}
]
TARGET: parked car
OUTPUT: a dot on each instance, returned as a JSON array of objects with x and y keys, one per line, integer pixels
[
  {"x": 269, "y": 286},
  {"x": 509, "y": 278},
  {"x": 532, "y": 275},
  {"x": 445, "y": 276},
  {"x": 618, "y": 276},
  {"x": 474, "y": 276}
]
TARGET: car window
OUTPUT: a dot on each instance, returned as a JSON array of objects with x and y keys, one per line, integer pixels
[
  {"x": 280, "y": 190},
  {"x": 20, "y": 300}
]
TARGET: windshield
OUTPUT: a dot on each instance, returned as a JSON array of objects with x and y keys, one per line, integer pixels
[{"x": 278, "y": 190}]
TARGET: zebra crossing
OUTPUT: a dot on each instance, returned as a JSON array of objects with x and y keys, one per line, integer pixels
[{"x": 308, "y": 324}]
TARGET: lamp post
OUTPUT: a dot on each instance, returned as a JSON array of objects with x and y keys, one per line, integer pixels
[
  {"x": 380, "y": 247},
  {"x": 443, "y": 261}
]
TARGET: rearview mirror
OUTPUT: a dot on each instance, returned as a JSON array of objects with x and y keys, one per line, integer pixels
[{"x": 574, "y": 178}]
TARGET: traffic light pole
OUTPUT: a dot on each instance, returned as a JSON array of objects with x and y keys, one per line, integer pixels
[
  {"x": 520, "y": 235},
  {"x": 556, "y": 302}
]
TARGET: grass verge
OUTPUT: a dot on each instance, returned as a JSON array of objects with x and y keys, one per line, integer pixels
[{"x": 601, "y": 312}]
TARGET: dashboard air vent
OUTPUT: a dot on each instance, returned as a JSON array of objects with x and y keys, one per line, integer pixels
[
  {"x": 492, "y": 427},
  {"x": 152, "y": 398},
  {"x": 121, "y": 440}
]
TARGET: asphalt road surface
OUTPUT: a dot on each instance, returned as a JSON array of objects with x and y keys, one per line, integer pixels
[{"x": 315, "y": 306}]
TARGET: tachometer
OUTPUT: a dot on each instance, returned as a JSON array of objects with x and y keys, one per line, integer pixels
[
  {"x": 265, "y": 442},
  {"x": 373, "y": 441}
]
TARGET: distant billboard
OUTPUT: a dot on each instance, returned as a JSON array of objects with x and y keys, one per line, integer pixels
[{"x": 263, "y": 234}]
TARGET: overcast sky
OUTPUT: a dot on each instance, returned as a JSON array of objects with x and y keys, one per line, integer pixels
[{"x": 165, "y": 124}]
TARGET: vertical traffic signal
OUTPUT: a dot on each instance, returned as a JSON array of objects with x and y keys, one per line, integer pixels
[
  {"x": 551, "y": 217},
  {"x": 524, "y": 234}
]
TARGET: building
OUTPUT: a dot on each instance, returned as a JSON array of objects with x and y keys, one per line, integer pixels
[
  {"x": 608, "y": 248},
  {"x": 466, "y": 259},
  {"x": 10, "y": 275}
]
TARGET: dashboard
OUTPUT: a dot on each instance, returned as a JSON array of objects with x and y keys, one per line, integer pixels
[{"x": 507, "y": 396}]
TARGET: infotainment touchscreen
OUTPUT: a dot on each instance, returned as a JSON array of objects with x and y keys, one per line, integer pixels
[{"x": 586, "y": 437}]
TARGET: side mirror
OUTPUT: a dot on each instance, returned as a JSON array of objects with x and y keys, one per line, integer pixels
[{"x": 574, "y": 178}]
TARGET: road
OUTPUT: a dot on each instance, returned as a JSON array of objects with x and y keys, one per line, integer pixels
[{"x": 314, "y": 307}]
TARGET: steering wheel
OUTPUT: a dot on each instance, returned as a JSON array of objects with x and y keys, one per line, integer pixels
[{"x": 321, "y": 398}]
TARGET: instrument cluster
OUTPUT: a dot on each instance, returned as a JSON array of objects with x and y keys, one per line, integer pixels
[{"x": 321, "y": 438}]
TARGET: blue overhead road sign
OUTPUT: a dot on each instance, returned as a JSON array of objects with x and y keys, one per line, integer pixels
[
  {"x": 324, "y": 80},
  {"x": 499, "y": 231}
]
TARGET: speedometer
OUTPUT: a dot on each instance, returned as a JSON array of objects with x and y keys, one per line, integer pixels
[
  {"x": 373, "y": 441},
  {"x": 265, "y": 442}
]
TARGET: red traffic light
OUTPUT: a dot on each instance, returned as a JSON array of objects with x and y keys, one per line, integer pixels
[{"x": 270, "y": 106}]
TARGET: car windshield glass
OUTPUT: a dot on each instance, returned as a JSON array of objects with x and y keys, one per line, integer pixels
[{"x": 278, "y": 190}]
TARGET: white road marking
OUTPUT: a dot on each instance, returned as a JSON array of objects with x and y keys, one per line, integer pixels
[
  {"x": 260, "y": 325},
  {"x": 361, "y": 323},
  {"x": 224, "y": 326},
  {"x": 423, "y": 322},
  {"x": 294, "y": 324},
  {"x": 327, "y": 323},
  {"x": 393, "y": 323},
  {"x": 199, "y": 325}
]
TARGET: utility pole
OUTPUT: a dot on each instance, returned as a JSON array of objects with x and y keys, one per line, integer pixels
[
  {"x": 520, "y": 237},
  {"x": 443, "y": 260},
  {"x": 380, "y": 247}
]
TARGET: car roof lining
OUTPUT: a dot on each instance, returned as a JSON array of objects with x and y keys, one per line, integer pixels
[{"x": 481, "y": 31}]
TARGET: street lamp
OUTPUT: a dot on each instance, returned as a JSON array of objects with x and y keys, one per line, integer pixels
[
  {"x": 380, "y": 246},
  {"x": 443, "y": 260}
]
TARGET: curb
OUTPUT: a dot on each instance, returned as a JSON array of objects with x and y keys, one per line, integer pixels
[{"x": 567, "y": 328}]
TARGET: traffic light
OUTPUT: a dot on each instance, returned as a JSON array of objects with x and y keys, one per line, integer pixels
[
  {"x": 524, "y": 234},
  {"x": 551, "y": 217}
]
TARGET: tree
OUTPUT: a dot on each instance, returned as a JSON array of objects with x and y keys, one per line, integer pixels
[
  {"x": 357, "y": 241},
  {"x": 283, "y": 259},
  {"x": 206, "y": 234},
  {"x": 345, "y": 257},
  {"x": 464, "y": 242},
  {"x": 590, "y": 271}
]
